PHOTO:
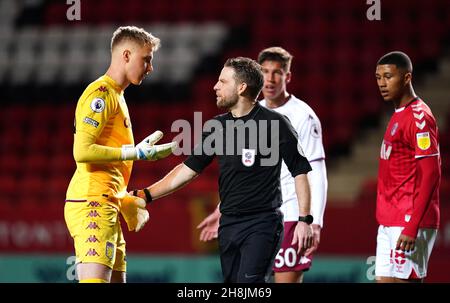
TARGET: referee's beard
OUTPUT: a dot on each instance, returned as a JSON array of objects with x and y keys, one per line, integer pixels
[{"x": 223, "y": 103}]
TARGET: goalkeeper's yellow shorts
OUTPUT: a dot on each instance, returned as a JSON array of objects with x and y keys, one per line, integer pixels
[{"x": 96, "y": 232}]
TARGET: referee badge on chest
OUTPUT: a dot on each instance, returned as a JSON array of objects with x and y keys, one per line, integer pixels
[{"x": 248, "y": 157}]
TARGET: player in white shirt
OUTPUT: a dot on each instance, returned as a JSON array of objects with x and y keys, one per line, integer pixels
[{"x": 289, "y": 264}]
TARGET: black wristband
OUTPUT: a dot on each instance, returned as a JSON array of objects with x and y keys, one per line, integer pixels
[
  {"x": 308, "y": 219},
  {"x": 148, "y": 196}
]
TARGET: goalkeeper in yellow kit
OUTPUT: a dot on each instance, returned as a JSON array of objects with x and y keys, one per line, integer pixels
[{"x": 104, "y": 152}]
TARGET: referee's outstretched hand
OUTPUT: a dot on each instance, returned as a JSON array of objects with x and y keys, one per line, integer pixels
[{"x": 210, "y": 226}]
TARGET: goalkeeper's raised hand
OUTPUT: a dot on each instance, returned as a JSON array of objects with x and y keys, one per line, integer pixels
[
  {"x": 147, "y": 150},
  {"x": 134, "y": 212}
]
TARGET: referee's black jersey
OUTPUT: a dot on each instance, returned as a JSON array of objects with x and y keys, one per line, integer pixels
[{"x": 247, "y": 184}]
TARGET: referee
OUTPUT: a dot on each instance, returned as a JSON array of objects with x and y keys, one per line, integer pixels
[{"x": 250, "y": 142}]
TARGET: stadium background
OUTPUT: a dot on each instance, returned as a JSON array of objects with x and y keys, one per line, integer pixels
[{"x": 46, "y": 61}]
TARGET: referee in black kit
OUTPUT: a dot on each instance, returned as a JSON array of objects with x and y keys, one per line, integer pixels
[{"x": 250, "y": 142}]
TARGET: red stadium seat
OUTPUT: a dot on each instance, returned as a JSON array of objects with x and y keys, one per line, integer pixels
[
  {"x": 39, "y": 138},
  {"x": 368, "y": 191},
  {"x": 31, "y": 186},
  {"x": 56, "y": 14},
  {"x": 11, "y": 162},
  {"x": 13, "y": 140},
  {"x": 335, "y": 51},
  {"x": 55, "y": 189},
  {"x": 241, "y": 11},
  {"x": 62, "y": 164},
  {"x": 36, "y": 162},
  {"x": 8, "y": 186},
  {"x": 445, "y": 191},
  {"x": 134, "y": 11},
  {"x": 211, "y": 10}
]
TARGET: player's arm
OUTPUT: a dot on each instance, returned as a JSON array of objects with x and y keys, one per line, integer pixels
[
  {"x": 427, "y": 181},
  {"x": 298, "y": 165},
  {"x": 210, "y": 225},
  {"x": 292, "y": 153},
  {"x": 318, "y": 184},
  {"x": 181, "y": 174},
  {"x": 133, "y": 206},
  {"x": 92, "y": 115},
  {"x": 303, "y": 232},
  {"x": 310, "y": 137},
  {"x": 85, "y": 149},
  {"x": 302, "y": 189},
  {"x": 178, "y": 177},
  {"x": 425, "y": 142}
]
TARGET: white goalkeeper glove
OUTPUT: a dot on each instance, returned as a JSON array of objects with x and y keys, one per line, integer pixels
[
  {"x": 134, "y": 212},
  {"x": 147, "y": 150}
]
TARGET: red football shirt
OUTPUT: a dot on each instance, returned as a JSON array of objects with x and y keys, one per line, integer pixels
[{"x": 412, "y": 133}]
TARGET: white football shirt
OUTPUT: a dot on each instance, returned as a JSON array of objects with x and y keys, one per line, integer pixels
[{"x": 309, "y": 130}]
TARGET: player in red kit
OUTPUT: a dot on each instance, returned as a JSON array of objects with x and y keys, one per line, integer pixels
[{"x": 408, "y": 177}]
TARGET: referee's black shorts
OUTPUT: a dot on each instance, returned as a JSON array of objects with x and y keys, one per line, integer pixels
[{"x": 248, "y": 245}]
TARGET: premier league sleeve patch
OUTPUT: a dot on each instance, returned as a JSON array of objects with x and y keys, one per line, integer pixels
[
  {"x": 423, "y": 140},
  {"x": 91, "y": 121},
  {"x": 98, "y": 105}
]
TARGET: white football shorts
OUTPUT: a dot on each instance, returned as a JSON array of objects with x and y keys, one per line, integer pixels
[{"x": 403, "y": 265}]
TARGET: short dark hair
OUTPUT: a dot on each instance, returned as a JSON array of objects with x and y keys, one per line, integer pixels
[
  {"x": 278, "y": 54},
  {"x": 397, "y": 58},
  {"x": 248, "y": 71}
]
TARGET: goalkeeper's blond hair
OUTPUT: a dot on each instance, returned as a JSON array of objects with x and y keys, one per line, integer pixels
[{"x": 135, "y": 34}]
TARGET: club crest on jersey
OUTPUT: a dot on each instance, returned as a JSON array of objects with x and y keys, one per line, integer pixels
[
  {"x": 98, "y": 105},
  {"x": 423, "y": 140},
  {"x": 315, "y": 130},
  {"x": 248, "y": 157},
  {"x": 110, "y": 249},
  {"x": 394, "y": 128}
]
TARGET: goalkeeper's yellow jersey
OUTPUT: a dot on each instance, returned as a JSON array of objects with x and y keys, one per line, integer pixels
[{"x": 102, "y": 117}]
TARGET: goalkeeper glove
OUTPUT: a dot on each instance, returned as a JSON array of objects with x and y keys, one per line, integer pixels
[
  {"x": 147, "y": 150},
  {"x": 134, "y": 212}
]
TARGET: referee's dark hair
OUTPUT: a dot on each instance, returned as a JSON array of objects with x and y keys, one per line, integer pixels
[
  {"x": 247, "y": 71},
  {"x": 399, "y": 59}
]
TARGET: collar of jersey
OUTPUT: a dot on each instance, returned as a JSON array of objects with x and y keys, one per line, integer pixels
[
  {"x": 248, "y": 116},
  {"x": 397, "y": 110},
  {"x": 113, "y": 83}
]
